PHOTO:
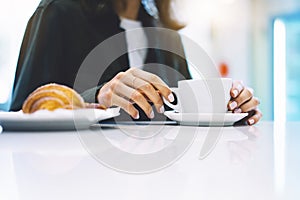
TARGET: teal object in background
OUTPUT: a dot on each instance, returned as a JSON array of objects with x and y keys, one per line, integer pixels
[
  {"x": 291, "y": 77},
  {"x": 292, "y": 24}
]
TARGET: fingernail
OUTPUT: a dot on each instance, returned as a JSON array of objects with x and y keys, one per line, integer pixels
[
  {"x": 239, "y": 87},
  {"x": 238, "y": 110},
  {"x": 235, "y": 93},
  {"x": 251, "y": 121},
  {"x": 162, "y": 109},
  {"x": 137, "y": 116},
  {"x": 232, "y": 105},
  {"x": 151, "y": 115},
  {"x": 171, "y": 97}
]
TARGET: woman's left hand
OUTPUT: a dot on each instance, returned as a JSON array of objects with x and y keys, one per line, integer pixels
[{"x": 242, "y": 100}]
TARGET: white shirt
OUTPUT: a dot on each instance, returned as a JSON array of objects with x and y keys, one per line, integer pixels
[{"x": 135, "y": 35}]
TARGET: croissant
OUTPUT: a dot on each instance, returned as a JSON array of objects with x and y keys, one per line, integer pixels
[{"x": 54, "y": 96}]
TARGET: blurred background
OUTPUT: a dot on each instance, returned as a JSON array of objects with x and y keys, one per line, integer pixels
[{"x": 257, "y": 41}]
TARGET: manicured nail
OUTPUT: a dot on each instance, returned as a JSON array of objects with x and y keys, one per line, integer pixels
[
  {"x": 162, "y": 109},
  {"x": 239, "y": 87},
  {"x": 238, "y": 110},
  {"x": 251, "y": 121},
  {"x": 235, "y": 93},
  {"x": 137, "y": 116},
  {"x": 151, "y": 115},
  {"x": 232, "y": 105},
  {"x": 171, "y": 97}
]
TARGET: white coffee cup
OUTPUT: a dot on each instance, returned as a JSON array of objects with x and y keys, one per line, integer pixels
[{"x": 202, "y": 95}]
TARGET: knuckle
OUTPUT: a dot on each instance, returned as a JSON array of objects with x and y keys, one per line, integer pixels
[
  {"x": 251, "y": 91},
  {"x": 108, "y": 94},
  {"x": 153, "y": 78},
  {"x": 147, "y": 87},
  {"x": 120, "y": 75},
  {"x": 106, "y": 98},
  {"x": 132, "y": 70},
  {"x": 239, "y": 99},
  {"x": 247, "y": 93},
  {"x": 136, "y": 96},
  {"x": 114, "y": 84}
]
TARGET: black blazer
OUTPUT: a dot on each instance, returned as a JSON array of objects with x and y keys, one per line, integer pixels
[{"x": 59, "y": 36}]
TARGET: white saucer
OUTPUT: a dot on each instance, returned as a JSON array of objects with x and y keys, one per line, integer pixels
[
  {"x": 59, "y": 119},
  {"x": 205, "y": 119}
]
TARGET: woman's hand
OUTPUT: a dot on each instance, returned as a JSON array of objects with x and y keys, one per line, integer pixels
[
  {"x": 135, "y": 86},
  {"x": 243, "y": 101}
]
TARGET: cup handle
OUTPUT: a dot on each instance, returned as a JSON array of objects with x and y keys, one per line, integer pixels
[{"x": 177, "y": 106}]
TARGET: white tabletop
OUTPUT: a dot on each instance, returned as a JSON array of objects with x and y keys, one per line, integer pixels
[{"x": 258, "y": 162}]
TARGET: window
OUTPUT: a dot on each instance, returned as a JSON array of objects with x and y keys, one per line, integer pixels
[{"x": 14, "y": 15}]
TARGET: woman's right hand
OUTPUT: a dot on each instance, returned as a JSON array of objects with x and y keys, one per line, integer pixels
[{"x": 135, "y": 86}]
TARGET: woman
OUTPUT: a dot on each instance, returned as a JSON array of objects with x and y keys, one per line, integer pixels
[{"x": 61, "y": 33}]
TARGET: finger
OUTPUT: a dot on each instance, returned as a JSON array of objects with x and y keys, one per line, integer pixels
[
  {"x": 244, "y": 96},
  {"x": 159, "y": 84},
  {"x": 125, "y": 105},
  {"x": 250, "y": 105},
  {"x": 95, "y": 106},
  {"x": 134, "y": 95},
  {"x": 104, "y": 96},
  {"x": 149, "y": 91},
  {"x": 237, "y": 88},
  {"x": 255, "y": 118}
]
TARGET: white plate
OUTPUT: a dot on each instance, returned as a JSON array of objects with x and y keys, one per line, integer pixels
[
  {"x": 59, "y": 119},
  {"x": 205, "y": 119}
]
